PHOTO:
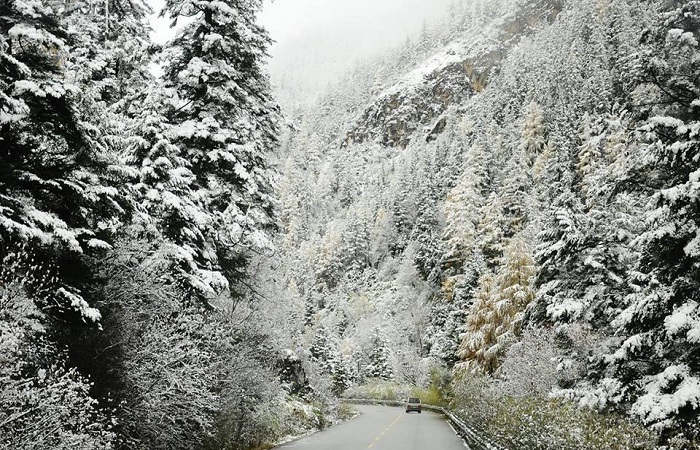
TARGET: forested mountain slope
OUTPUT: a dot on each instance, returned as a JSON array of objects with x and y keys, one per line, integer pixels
[
  {"x": 132, "y": 208},
  {"x": 503, "y": 212},
  {"x": 512, "y": 195}
]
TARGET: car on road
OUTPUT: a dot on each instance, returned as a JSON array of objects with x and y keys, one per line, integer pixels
[{"x": 413, "y": 404}]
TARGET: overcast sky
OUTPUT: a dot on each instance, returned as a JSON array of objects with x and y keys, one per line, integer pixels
[
  {"x": 387, "y": 20},
  {"x": 317, "y": 40}
]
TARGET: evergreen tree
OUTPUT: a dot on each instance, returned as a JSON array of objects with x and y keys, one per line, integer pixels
[
  {"x": 514, "y": 189},
  {"x": 448, "y": 317},
  {"x": 324, "y": 350},
  {"x": 403, "y": 201},
  {"x": 660, "y": 354},
  {"x": 225, "y": 124},
  {"x": 382, "y": 237},
  {"x": 166, "y": 193},
  {"x": 356, "y": 240},
  {"x": 379, "y": 364},
  {"x": 462, "y": 209},
  {"x": 328, "y": 266},
  {"x": 490, "y": 230},
  {"x": 54, "y": 171},
  {"x": 559, "y": 256},
  {"x": 533, "y": 139}
]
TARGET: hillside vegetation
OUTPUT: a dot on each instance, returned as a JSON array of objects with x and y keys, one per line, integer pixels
[
  {"x": 507, "y": 208},
  {"x": 133, "y": 209},
  {"x": 500, "y": 216}
]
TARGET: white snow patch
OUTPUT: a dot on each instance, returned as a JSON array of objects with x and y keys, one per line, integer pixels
[
  {"x": 80, "y": 305},
  {"x": 681, "y": 36},
  {"x": 684, "y": 317},
  {"x": 68, "y": 237},
  {"x": 241, "y": 171},
  {"x": 23, "y": 86},
  {"x": 24, "y": 31},
  {"x": 99, "y": 244},
  {"x": 566, "y": 308},
  {"x": 658, "y": 404}
]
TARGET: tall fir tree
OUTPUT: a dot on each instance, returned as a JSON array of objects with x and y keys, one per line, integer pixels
[
  {"x": 660, "y": 357},
  {"x": 54, "y": 168},
  {"x": 225, "y": 126},
  {"x": 379, "y": 363}
]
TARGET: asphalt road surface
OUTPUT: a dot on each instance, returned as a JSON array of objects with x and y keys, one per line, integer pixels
[{"x": 384, "y": 428}]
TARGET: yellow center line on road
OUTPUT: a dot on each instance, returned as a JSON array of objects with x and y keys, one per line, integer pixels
[{"x": 381, "y": 435}]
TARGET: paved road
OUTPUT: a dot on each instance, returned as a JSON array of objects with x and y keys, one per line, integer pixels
[{"x": 384, "y": 428}]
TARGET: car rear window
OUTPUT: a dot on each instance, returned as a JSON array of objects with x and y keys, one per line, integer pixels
[{"x": 413, "y": 400}]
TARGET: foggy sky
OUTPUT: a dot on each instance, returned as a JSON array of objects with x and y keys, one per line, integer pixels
[{"x": 318, "y": 40}]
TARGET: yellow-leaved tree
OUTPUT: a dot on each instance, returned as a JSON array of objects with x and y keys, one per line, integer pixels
[{"x": 495, "y": 317}]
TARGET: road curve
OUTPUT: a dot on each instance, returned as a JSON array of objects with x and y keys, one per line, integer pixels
[{"x": 384, "y": 428}]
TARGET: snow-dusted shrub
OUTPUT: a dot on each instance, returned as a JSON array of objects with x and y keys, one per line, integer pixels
[
  {"x": 472, "y": 398},
  {"x": 182, "y": 376},
  {"x": 252, "y": 415},
  {"x": 537, "y": 422},
  {"x": 290, "y": 417},
  {"x": 529, "y": 367},
  {"x": 540, "y": 423},
  {"x": 44, "y": 403},
  {"x": 150, "y": 356},
  {"x": 548, "y": 359}
]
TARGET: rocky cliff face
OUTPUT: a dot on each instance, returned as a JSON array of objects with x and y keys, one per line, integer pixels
[
  {"x": 413, "y": 104},
  {"x": 417, "y": 103}
]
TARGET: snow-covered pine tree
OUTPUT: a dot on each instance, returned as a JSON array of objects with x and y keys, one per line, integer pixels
[
  {"x": 165, "y": 191},
  {"x": 589, "y": 157},
  {"x": 448, "y": 316},
  {"x": 427, "y": 233},
  {"x": 325, "y": 351},
  {"x": 382, "y": 237},
  {"x": 323, "y": 347},
  {"x": 479, "y": 331},
  {"x": 328, "y": 264},
  {"x": 110, "y": 55},
  {"x": 355, "y": 246},
  {"x": 559, "y": 255},
  {"x": 514, "y": 188},
  {"x": 462, "y": 208},
  {"x": 379, "y": 363},
  {"x": 225, "y": 125},
  {"x": 533, "y": 138},
  {"x": 109, "y": 63},
  {"x": 490, "y": 230},
  {"x": 403, "y": 201},
  {"x": 53, "y": 167},
  {"x": 660, "y": 358}
]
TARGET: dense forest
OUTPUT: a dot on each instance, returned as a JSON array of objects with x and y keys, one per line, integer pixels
[
  {"x": 132, "y": 211},
  {"x": 500, "y": 215},
  {"x": 505, "y": 210}
]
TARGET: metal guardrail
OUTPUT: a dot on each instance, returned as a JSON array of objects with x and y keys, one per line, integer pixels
[
  {"x": 471, "y": 436},
  {"x": 474, "y": 439}
]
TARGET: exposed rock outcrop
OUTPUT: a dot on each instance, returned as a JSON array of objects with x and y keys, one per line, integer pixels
[{"x": 463, "y": 68}]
